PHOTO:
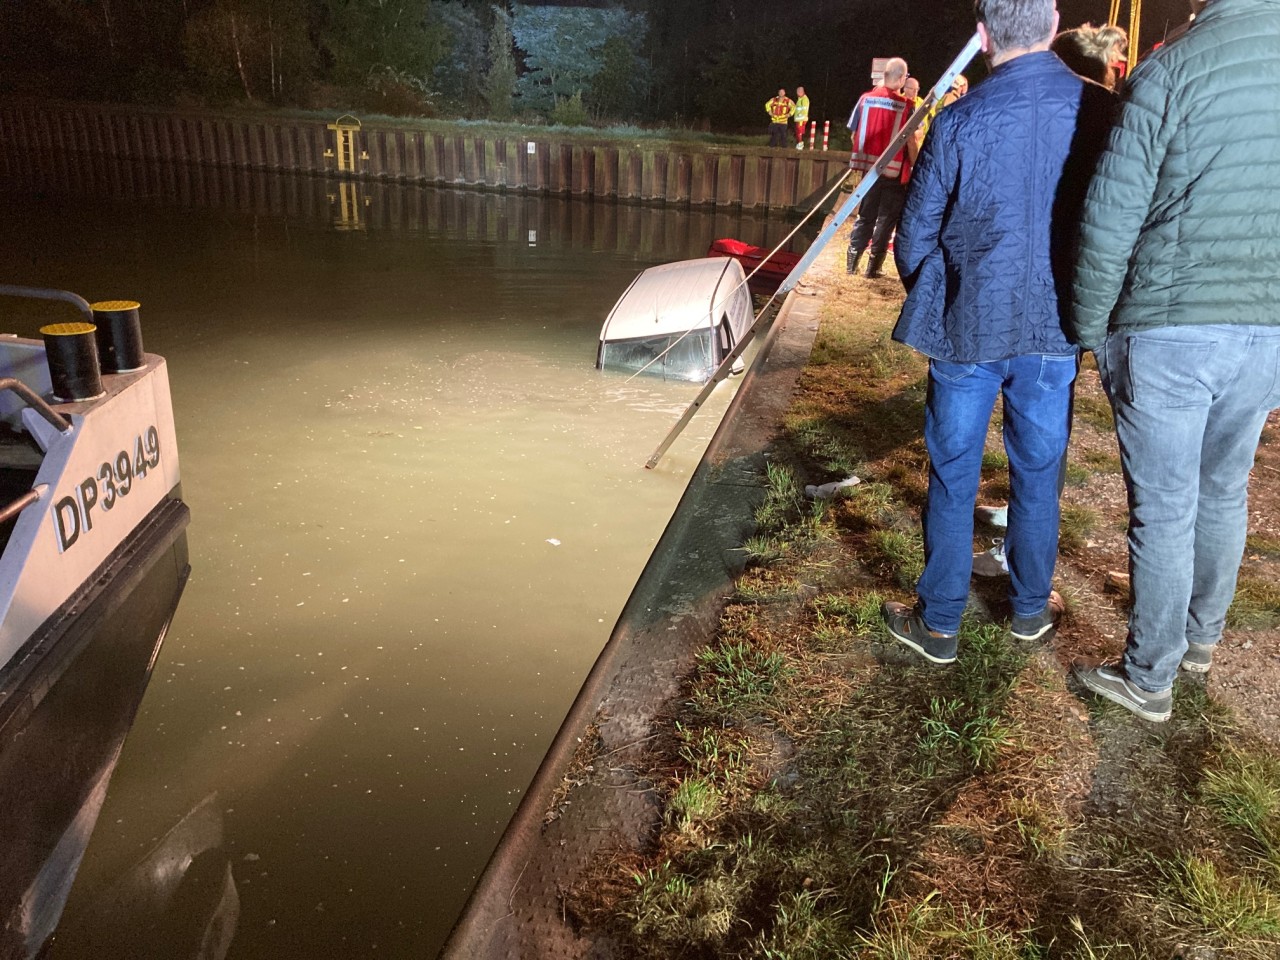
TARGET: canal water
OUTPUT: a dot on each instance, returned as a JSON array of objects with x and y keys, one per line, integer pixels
[{"x": 417, "y": 511}]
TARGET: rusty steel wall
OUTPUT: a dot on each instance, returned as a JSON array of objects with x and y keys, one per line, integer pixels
[{"x": 642, "y": 171}]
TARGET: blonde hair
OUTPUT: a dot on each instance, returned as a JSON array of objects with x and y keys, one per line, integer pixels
[{"x": 1090, "y": 51}]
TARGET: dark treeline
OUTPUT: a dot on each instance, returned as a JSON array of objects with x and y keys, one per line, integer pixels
[{"x": 683, "y": 63}]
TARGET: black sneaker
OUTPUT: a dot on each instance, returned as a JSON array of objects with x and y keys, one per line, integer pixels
[
  {"x": 1198, "y": 658},
  {"x": 907, "y": 627},
  {"x": 1033, "y": 628},
  {"x": 1109, "y": 680}
]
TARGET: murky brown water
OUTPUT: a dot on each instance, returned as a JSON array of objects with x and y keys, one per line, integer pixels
[{"x": 417, "y": 512}]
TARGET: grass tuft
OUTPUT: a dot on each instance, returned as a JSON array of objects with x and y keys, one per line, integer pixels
[
  {"x": 1240, "y": 910},
  {"x": 738, "y": 676},
  {"x": 1075, "y": 526},
  {"x": 1244, "y": 790},
  {"x": 1095, "y": 411},
  {"x": 901, "y": 556},
  {"x": 1256, "y": 605}
]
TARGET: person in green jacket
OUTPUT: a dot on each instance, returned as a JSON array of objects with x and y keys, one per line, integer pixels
[
  {"x": 801, "y": 116},
  {"x": 1176, "y": 289}
]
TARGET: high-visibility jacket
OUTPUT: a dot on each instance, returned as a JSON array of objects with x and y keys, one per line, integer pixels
[
  {"x": 879, "y": 116},
  {"x": 780, "y": 109},
  {"x": 802, "y": 110}
]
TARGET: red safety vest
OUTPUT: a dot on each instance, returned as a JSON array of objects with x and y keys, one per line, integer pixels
[
  {"x": 879, "y": 116},
  {"x": 780, "y": 108}
]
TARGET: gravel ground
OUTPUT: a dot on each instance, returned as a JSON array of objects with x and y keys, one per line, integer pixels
[{"x": 1246, "y": 671}]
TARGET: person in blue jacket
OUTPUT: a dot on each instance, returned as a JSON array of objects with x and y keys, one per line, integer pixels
[{"x": 983, "y": 248}]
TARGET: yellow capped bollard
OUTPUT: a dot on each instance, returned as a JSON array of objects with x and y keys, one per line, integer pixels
[
  {"x": 72, "y": 354},
  {"x": 119, "y": 335}
]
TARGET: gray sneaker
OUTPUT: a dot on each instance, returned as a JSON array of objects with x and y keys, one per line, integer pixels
[
  {"x": 991, "y": 563},
  {"x": 1033, "y": 628},
  {"x": 907, "y": 627},
  {"x": 1198, "y": 658},
  {"x": 1109, "y": 680}
]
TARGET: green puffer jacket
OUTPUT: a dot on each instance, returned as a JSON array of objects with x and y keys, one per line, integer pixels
[{"x": 1182, "y": 220}]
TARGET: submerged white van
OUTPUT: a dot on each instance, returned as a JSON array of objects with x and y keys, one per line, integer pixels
[{"x": 678, "y": 320}]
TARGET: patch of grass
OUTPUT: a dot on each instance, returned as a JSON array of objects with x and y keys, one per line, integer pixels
[
  {"x": 786, "y": 520},
  {"x": 762, "y": 549},
  {"x": 1095, "y": 410},
  {"x": 710, "y": 750},
  {"x": 738, "y": 676},
  {"x": 859, "y": 615},
  {"x": 1259, "y": 545},
  {"x": 764, "y": 585},
  {"x": 784, "y": 499},
  {"x": 1244, "y": 791},
  {"x": 976, "y": 736},
  {"x": 928, "y": 930},
  {"x": 901, "y": 556},
  {"x": 802, "y": 928},
  {"x": 1256, "y": 605},
  {"x": 1102, "y": 462},
  {"x": 874, "y": 504},
  {"x": 1074, "y": 527},
  {"x": 826, "y": 441},
  {"x": 1077, "y": 476},
  {"x": 969, "y": 724},
  {"x": 1240, "y": 910},
  {"x": 1086, "y": 949},
  {"x": 886, "y": 360},
  {"x": 694, "y": 801},
  {"x": 993, "y": 460}
]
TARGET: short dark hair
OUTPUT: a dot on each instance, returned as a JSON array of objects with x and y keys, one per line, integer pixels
[{"x": 1015, "y": 23}]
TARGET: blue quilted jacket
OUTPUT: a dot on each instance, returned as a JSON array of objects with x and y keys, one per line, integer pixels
[{"x": 986, "y": 240}]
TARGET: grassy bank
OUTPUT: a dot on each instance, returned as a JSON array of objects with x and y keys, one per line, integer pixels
[{"x": 828, "y": 794}]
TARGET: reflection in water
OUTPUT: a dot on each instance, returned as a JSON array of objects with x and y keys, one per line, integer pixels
[
  {"x": 417, "y": 512},
  {"x": 656, "y": 234},
  {"x": 55, "y": 769}
]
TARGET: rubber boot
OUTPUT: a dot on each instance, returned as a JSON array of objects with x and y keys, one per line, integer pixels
[
  {"x": 851, "y": 261},
  {"x": 875, "y": 264}
]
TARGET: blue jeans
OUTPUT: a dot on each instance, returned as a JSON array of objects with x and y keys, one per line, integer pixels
[
  {"x": 1190, "y": 403},
  {"x": 1037, "y": 417}
]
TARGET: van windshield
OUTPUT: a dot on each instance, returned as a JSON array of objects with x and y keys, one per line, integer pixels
[{"x": 690, "y": 359}]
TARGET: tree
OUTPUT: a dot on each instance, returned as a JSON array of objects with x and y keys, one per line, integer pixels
[
  {"x": 460, "y": 71},
  {"x": 255, "y": 46},
  {"x": 500, "y": 79},
  {"x": 563, "y": 48},
  {"x": 617, "y": 84},
  {"x": 368, "y": 37}
]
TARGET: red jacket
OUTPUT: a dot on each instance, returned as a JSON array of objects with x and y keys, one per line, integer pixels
[{"x": 878, "y": 117}]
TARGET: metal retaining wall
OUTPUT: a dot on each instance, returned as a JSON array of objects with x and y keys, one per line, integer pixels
[{"x": 641, "y": 171}]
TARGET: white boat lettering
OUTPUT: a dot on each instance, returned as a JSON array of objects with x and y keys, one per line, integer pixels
[{"x": 73, "y": 513}]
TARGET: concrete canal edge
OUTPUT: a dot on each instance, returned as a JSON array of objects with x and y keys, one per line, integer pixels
[{"x": 590, "y": 796}]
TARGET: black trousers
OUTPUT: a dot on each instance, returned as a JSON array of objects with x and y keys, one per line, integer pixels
[
  {"x": 778, "y": 134},
  {"x": 877, "y": 216}
]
